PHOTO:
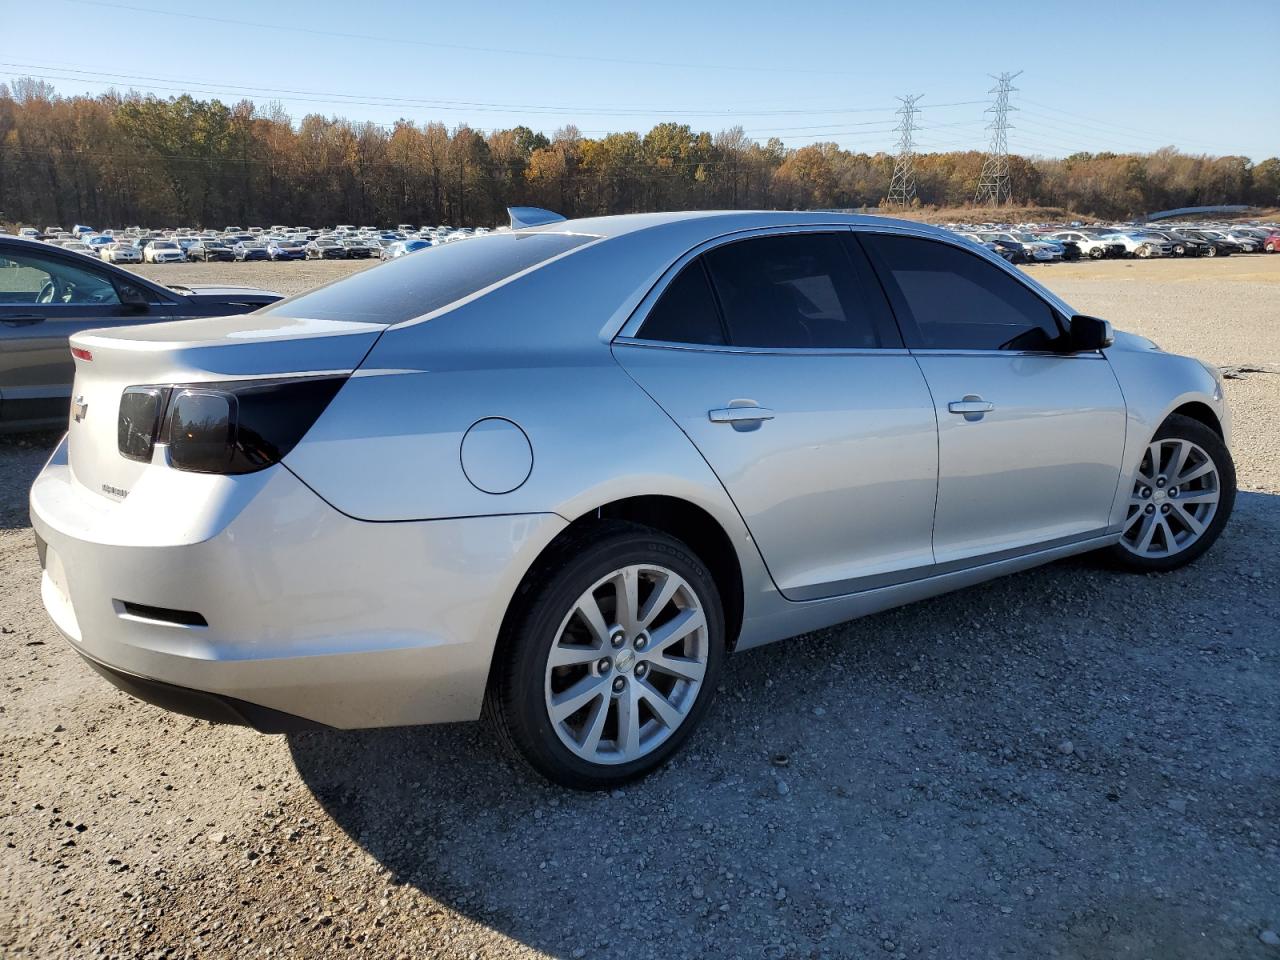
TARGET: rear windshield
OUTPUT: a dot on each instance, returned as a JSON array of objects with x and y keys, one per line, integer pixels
[{"x": 408, "y": 287}]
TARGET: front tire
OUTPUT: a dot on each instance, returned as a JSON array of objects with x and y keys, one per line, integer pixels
[
  {"x": 609, "y": 658},
  {"x": 1181, "y": 498}
]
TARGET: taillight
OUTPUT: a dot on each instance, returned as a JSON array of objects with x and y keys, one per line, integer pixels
[
  {"x": 80, "y": 353},
  {"x": 227, "y": 428}
]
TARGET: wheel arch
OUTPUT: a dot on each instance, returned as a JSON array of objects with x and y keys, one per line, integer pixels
[{"x": 1202, "y": 412}]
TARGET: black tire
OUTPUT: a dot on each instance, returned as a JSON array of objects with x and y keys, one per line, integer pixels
[
  {"x": 516, "y": 701},
  {"x": 1185, "y": 428}
]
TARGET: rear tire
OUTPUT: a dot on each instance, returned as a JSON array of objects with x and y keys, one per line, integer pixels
[
  {"x": 1181, "y": 498},
  {"x": 609, "y": 657}
]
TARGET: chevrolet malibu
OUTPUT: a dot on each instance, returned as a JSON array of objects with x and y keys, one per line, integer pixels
[{"x": 558, "y": 474}]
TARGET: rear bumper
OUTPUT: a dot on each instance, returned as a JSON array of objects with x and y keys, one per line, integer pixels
[{"x": 306, "y": 611}]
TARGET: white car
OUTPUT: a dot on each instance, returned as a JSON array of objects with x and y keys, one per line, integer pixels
[
  {"x": 163, "y": 251},
  {"x": 120, "y": 253},
  {"x": 1089, "y": 246},
  {"x": 1138, "y": 244}
]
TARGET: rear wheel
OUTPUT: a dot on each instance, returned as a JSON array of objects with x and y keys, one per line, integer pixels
[
  {"x": 1212, "y": 251},
  {"x": 610, "y": 659},
  {"x": 1181, "y": 498}
]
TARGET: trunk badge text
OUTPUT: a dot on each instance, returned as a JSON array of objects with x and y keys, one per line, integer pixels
[
  {"x": 80, "y": 408},
  {"x": 114, "y": 491}
]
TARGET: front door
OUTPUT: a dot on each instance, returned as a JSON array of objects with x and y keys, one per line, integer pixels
[{"x": 1030, "y": 438}]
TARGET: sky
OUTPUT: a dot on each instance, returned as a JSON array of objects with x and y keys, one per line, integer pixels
[{"x": 1131, "y": 75}]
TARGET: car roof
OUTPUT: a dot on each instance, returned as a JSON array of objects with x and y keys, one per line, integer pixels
[{"x": 719, "y": 222}]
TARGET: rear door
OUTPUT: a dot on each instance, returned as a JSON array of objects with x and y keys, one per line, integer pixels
[
  {"x": 1030, "y": 438},
  {"x": 777, "y": 356}
]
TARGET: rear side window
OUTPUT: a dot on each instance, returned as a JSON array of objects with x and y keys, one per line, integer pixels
[
  {"x": 797, "y": 290},
  {"x": 408, "y": 287},
  {"x": 686, "y": 312},
  {"x": 949, "y": 299}
]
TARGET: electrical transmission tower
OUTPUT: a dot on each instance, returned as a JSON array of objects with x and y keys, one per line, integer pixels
[
  {"x": 993, "y": 186},
  {"x": 902, "y": 188}
]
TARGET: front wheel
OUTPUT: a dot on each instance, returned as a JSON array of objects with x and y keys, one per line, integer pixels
[
  {"x": 610, "y": 657},
  {"x": 1211, "y": 252},
  {"x": 1181, "y": 498}
]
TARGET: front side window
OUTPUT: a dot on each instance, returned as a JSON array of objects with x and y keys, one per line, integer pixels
[
  {"x": 27, "y": 279},
  {"x": 949, "y": 299},
  {"x": 798, "y": 290}
]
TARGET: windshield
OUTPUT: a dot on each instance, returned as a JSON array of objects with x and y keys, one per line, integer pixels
[{"x": 409, "y": 287}]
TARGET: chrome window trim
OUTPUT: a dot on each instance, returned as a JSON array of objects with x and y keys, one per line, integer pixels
[
  {"x": 948, "y": 352},
  {"x": 765, "y": 351}
]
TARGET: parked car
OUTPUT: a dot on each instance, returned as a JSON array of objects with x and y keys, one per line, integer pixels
[
  {"x": 825, "y": 416},
  {"x": 249, "y": 250},
  {"x": 325, "y": 249},
  {"x": 403, "y": 247},
  {"x": 1182, "y": 246},
  {"x": 358, "y": 249},
  {"x": 47, "y": 294},
  {"x": 1093, "y": 247},
  {"x": 285, "y": 250},
  {"x": 210, "y": 250},
  {"x": 1218, "y": 244},
  {"x": 163, "y": 251},
  {"x": 120, "y": 253}
]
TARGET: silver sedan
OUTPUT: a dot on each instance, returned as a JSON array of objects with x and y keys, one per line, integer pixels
[{"x": 561, "y": 472}]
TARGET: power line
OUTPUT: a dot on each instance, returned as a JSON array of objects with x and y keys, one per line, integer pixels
[
  {"x": 902, "y": 188},
  {"x": 993, "y": 185}
]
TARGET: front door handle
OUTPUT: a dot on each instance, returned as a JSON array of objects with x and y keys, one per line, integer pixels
[
  {"x": 972, "y": 406},
  {"x": 21, "y": 321},
  {"x": 743, "y": 415}
]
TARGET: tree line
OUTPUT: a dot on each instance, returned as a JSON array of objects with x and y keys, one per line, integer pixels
[{"x": 124, "y": 159}]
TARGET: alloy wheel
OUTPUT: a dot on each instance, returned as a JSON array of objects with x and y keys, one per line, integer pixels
[
  {"x": 1174, "y": 499},
  {"x": 627, "y": 664}
]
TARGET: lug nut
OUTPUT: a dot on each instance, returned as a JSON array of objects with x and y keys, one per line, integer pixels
[
  {"x": 617, "y": 638},
  {"x": 603, "y": 664},
  {"x": 619, "y": 684},
  {"x": 1164, "y": 508},
  {"x": 1145, "y": 492},
  {"x": 1151, "y": 508},
  {"x": 1160, "y": 481},
  {"x": 642, "y": 641},
  {"x": 641, "y": 669},
  {"x": 1173, "y": 491}
]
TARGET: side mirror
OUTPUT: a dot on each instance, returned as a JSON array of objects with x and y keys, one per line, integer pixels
[
  {"x": 1089, "y": 333},
  {"x": 134, "y": 299}
]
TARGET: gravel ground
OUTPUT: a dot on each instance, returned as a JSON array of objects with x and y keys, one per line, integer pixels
[{"x": 1068, "y": 763}]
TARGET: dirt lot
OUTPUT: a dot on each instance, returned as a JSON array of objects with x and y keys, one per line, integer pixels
[{"x": 1064, "y": 763}]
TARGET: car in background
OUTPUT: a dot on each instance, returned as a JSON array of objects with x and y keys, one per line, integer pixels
[
  {"x": 455, "y": 532},
  {"x": 324, "y": 248},
  {"x": 120, "y": 252},
  {"x": 29, "y": 233},
  {"x": 1182, "y": 246},
  {"x": 76, "y": 246},
  {"x": 210, "y": 250},
  {"x": 1247, "y": 241},
  {"x": 1218, "y": 244},
  {"x": 1092, "y": 247},
  {"x": 1033, "y": 249},
  {"x": 47, "y": 294},
  {"x": 249, "y": 250},
  {"x": 285, "y": 250},
  {"x": 358, "y": 249},
  {"x": 403, "y": 248},
  {"x": 163, "y": 251}
]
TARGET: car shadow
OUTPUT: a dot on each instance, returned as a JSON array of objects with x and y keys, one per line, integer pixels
[{"x": 900, "y": 785}]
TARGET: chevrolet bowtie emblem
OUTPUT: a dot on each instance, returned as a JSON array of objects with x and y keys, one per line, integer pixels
[{"x": 79, "y": 409}]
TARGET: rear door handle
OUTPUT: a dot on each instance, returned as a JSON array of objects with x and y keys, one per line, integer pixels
[
  {"x": 739, "y": 414},
  {"x": 21, "y": 321},
  {"x": 970, "y": 405},
  {"x": 743, "y": 415}
]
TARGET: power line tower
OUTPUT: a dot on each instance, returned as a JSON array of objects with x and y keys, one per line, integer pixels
[
  {"x": 902, "y": 188},
  {"x": 993, "y": 185}
]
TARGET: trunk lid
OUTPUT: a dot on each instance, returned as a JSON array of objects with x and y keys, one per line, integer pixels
[{"x": 189, "y": 351}]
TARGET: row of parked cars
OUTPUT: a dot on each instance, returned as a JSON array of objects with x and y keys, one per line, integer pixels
[
  {"x": 1043, "y": 243},
  {"x": 344, "y": 242}
]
